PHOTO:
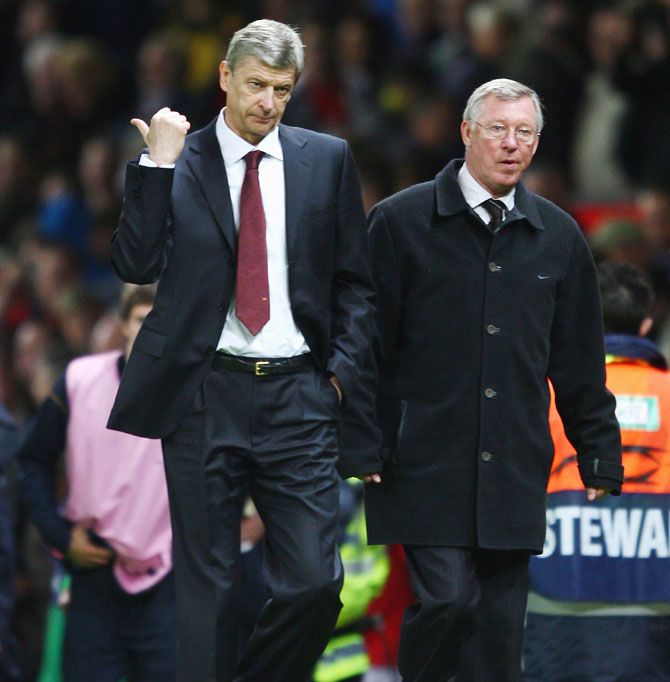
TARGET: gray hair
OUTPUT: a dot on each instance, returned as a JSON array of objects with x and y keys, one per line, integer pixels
[
  {"x": 273, "y": 43},
  {"x": 505, "y": 89}
]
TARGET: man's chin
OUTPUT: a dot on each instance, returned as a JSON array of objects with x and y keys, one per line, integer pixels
[
  {"x": 508, "y": 180},
  {"x": 262, "y": 126}
]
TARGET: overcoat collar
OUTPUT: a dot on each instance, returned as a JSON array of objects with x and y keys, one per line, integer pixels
[
  {"x": 450, "y": 200},
  {"x": 203, "y": 156}
]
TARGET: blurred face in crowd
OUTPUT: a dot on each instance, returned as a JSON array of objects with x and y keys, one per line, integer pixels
[
  {"x": 256, "y": 96},
  {"x": 130, "y": 327},
  {"x": 497, "y": 164},
  {"x": 30, "y": 343},
  {"x": 655, "y": 207}
]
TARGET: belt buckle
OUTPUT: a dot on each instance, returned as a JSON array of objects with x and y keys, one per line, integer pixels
[{"x": 258, "y": 368}]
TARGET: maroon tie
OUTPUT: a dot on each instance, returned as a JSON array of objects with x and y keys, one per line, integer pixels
[{"x": 252, "y": 305}]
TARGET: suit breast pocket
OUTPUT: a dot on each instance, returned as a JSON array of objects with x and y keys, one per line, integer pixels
[{"x": 151, "y": 342}]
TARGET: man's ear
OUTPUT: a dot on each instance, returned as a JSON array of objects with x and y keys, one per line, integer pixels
[
  {"x": 224, "y": 75},
  {"x": 646, "y": 325},
  {"x": 466, "y": 133}
]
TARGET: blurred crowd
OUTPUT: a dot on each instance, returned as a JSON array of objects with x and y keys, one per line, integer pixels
[{"x": 391, "y": 76}]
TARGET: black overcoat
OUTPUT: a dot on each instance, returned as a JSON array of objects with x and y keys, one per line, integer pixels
[{"x": 471, "y": 328}]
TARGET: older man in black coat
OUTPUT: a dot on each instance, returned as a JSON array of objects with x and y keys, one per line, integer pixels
[{"x": 480, "y": 303}]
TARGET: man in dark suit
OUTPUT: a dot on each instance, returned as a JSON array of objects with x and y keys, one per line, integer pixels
[
  {"x": 480, "y": 305},
  {"x": 253, "y": 351}
]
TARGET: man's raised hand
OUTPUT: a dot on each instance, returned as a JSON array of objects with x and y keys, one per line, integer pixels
[{"x": 164, "y": 136}]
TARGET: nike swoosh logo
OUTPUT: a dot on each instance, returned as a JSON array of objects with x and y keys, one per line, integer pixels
[{"x": 543, "y": 276}]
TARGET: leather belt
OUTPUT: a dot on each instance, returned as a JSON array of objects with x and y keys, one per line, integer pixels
[{"x": 263, "y": 367}]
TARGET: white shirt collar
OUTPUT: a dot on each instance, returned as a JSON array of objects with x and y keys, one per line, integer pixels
[
  {"x": 234, "y": 148},
  {"x": 475, "y": 194}
]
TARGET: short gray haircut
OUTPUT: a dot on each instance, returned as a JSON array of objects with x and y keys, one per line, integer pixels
[
  {"x": 505, "y": 89},
  {"x": 273, "y": 43}
]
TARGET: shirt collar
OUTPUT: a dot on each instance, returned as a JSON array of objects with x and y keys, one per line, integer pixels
[
  {"x": 234, "y": 148},
  {"x": 474, "y": 194}
]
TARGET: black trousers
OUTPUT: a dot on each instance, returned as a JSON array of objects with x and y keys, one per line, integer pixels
[
  {"x": 467, "y": 622},
  {"x": 112, "y": 635},
  {"x": 275, "y": 437}
]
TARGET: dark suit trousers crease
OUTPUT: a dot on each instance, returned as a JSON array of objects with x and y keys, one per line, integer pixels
[
  {"x": 467, "y": 623},
  {"x": 275, "y": 437}
]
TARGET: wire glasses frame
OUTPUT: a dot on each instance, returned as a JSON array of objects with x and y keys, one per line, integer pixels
[{"x": 497, "y": 131}]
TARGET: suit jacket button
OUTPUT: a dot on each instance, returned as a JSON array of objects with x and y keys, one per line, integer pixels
[
  {"x": 490, "y": 393},
  {"x": 486, "y": 456}
]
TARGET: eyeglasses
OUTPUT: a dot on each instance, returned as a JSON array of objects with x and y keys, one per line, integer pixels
[{"x": 497, "y": 131}]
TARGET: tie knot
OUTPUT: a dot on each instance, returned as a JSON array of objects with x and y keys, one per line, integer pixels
[
  {"x": 253, "y": 158},
  {"x": 495, "y": 208}
]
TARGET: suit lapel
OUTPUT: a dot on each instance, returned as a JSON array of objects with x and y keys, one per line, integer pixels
[
  {"x": 298, "y": 169},
  {"x": 204, "y": 159}
]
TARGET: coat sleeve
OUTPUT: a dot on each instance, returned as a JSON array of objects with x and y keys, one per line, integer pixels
[
  {"x": 388, "y": 282},
  {"x": 141, "y": 243},
  {"x": 359, "y": 438},
  {"x": 352, "y": 290},
  {"x": 40, "y": 454},
  {"x": 352, "y": 359},
  {"x": 577, "y": 372}
]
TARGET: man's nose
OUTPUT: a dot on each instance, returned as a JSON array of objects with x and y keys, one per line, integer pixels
[
  {"x": 267, "y": 98},
  {"x": 510, "y": 139}
]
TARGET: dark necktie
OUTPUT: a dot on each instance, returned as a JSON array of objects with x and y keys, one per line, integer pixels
[
  {"x": 496, "y": 209},
  {"x": 252, "y": 295}
]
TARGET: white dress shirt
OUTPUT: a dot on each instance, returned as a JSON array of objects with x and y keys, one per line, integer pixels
[
  {"x": 280, "y": 336},
  {"x": 475, "y": 194}
]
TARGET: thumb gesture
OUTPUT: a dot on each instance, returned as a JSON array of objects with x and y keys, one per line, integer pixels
[
  {"x": 164, "y": 136},
  {"x": 142, "y": 127}
]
